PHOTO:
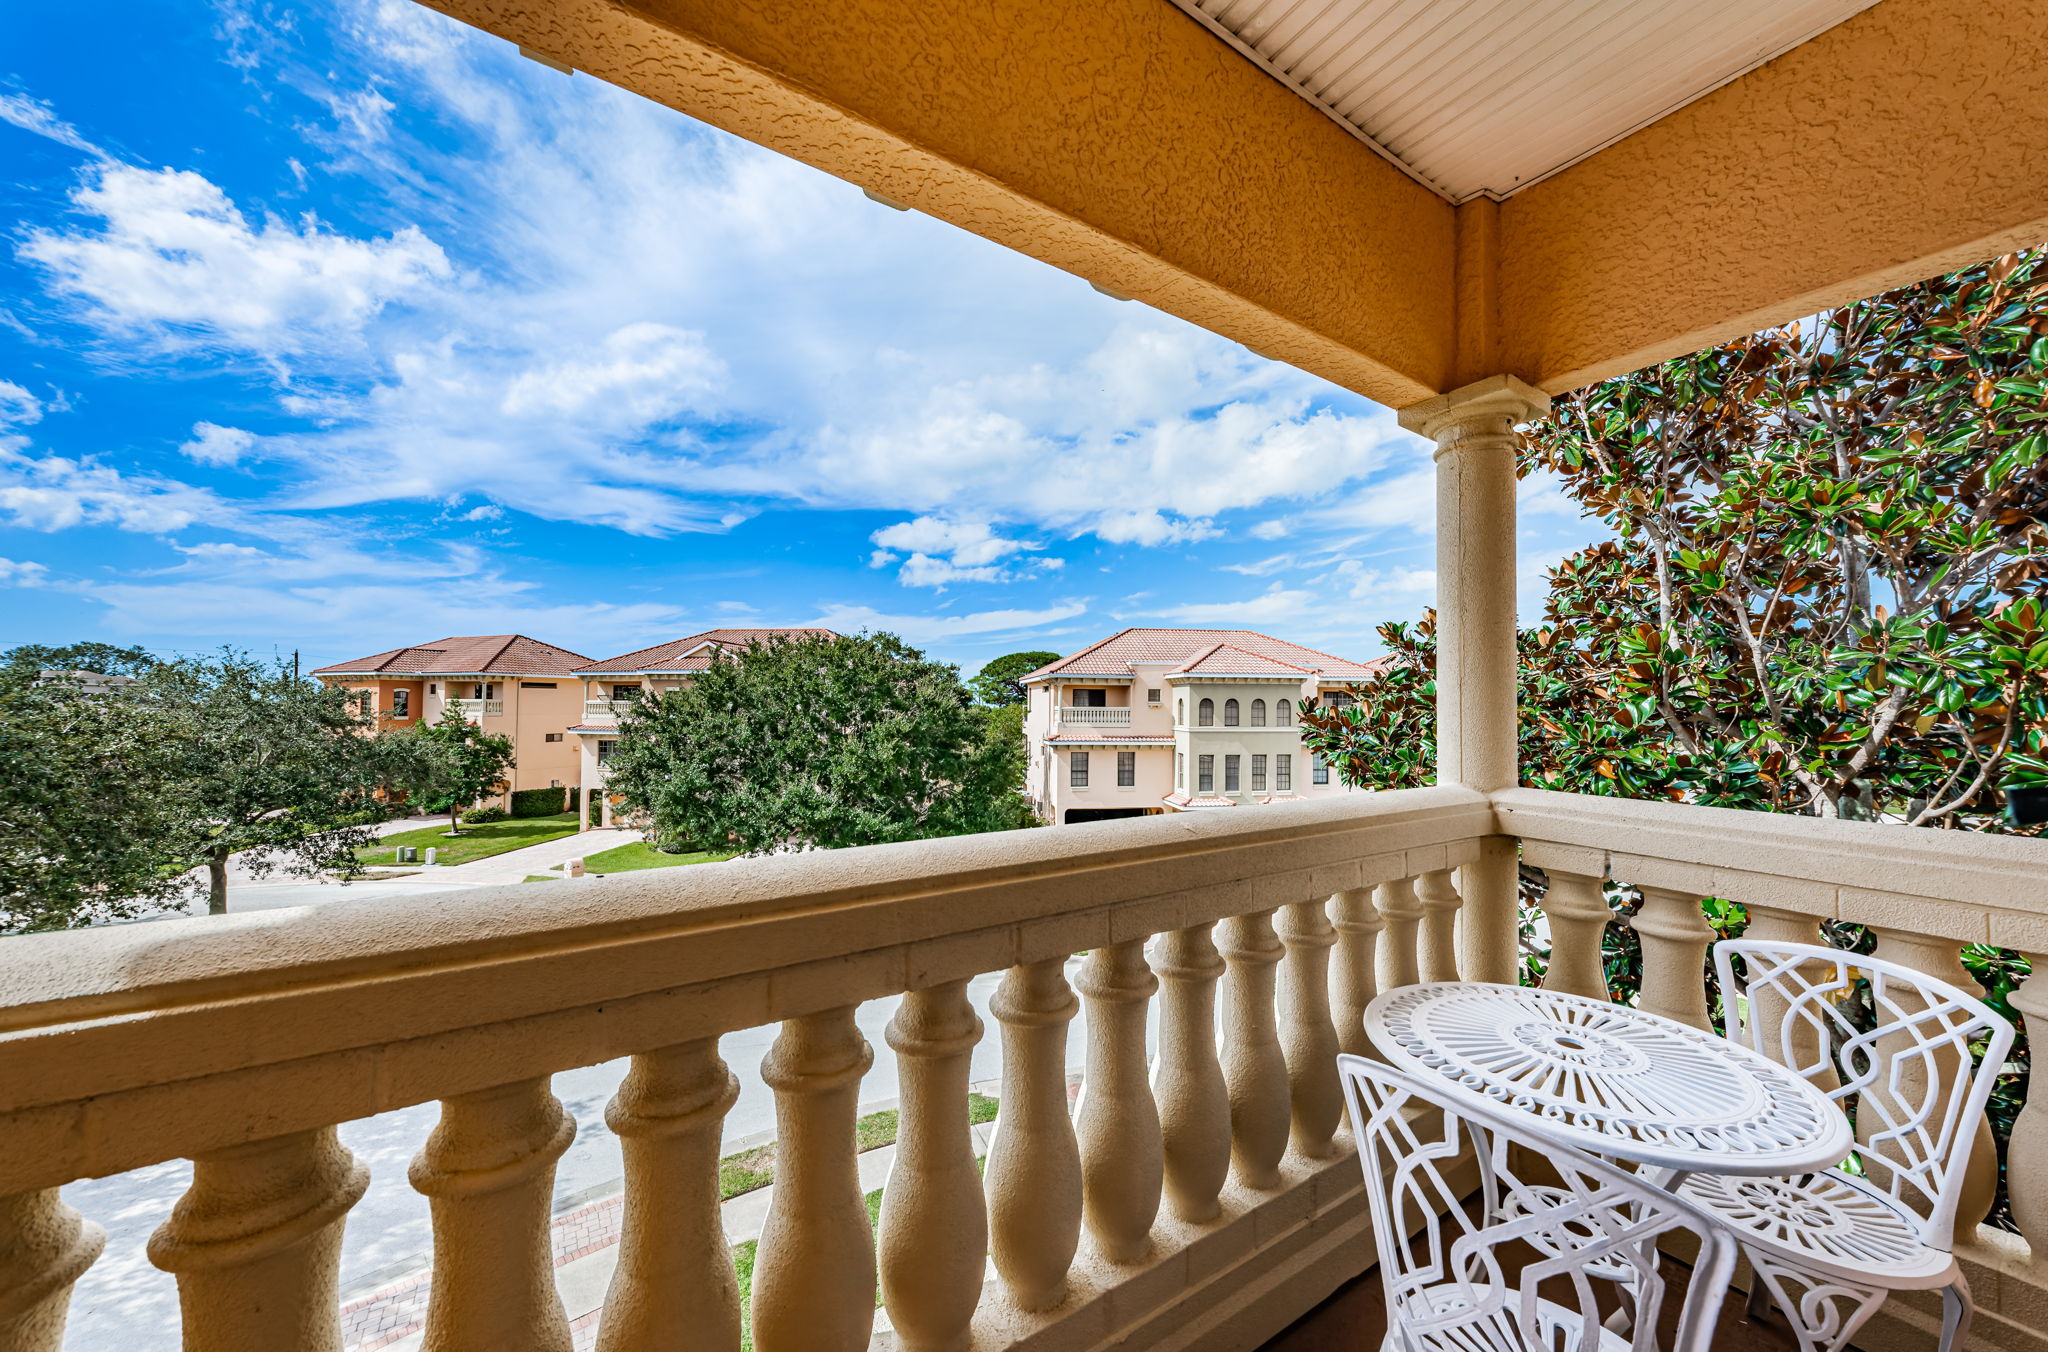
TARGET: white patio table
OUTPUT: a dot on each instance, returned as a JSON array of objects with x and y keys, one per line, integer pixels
[{"x": 1612, "y": 1080}]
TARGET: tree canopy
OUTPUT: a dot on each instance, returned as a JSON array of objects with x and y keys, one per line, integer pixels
[
  {"x": 999, "y": 682},
  {"x": 88, "y": 808},
  {"x": 1827, "y": 582},
  {"x": 817, "y": 742},
  {"x": 447, "y": 765}
]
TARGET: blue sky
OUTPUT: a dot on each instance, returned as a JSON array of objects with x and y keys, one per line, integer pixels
[{"x": 335, "y": 326}]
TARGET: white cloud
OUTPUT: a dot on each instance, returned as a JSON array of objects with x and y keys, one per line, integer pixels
[
  {"x": 173, "y": 259},
  {"x": 38, "y": 117},
  {"x": 18, "y": 408},
  {"x": 1276, "y": 605},
  {"x": 212, "y": 444},
  {"x": 1395, "y": 586},
  {"x": 852, "y": 619},
  {"x": 53, "y": 492},
  {"x": 943, "y": 552},
  {"x": 21, "y": 573}
]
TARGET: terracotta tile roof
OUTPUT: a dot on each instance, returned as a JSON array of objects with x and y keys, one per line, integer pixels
[
  {"x": 1227, "y": 659},
  {"x": 690, "y": 654},
  {"x": 1121, "y": 651},
  {"x": 1197, "y": 802},
  {"x": 505, "y": 654}
]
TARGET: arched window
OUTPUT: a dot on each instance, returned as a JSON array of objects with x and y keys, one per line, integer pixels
[
  {"x": 1180, "y": 712},
  {"x": 1283, "y": 713},
  {"x": 1258, "y": 713},
  {"x": 1230, "y": 713},
  {"x": 1205, "y": 713}
]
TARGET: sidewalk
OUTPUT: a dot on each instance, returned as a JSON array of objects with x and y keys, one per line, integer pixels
[{"x": 516, "y": 866}]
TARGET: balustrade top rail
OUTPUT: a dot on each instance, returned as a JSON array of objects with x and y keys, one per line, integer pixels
[
  {"x": 124, "y": 1046},
  {"x": 1956, "y": 884},
  {"x": 1085, "y": 716}
]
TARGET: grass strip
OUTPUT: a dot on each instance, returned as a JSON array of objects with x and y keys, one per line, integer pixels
[
  {"x": 743, "y": 1171},
  {"x": 476, "y": 842}
]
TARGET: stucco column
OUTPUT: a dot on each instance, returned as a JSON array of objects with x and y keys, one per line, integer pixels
[{"x": 1474, "y": 431}]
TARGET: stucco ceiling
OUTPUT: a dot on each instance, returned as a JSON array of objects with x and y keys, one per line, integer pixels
[{"x": 1485, "y": 97}]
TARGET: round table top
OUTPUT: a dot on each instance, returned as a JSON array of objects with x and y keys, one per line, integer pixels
[{"x": 1610, "y": 1079}]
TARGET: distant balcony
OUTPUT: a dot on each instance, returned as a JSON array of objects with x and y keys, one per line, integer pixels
[
  {"x": 477, "y": 708},
  {"x": 608, "y": 709},
  {"x": 1074, "y": 716}
]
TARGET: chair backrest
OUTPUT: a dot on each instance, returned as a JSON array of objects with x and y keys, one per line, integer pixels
[
  {"x": 1897, "y": 1041},
  {"x": 1493, "y": 1237}
]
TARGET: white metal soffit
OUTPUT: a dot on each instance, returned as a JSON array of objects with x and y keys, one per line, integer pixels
[{"x": 1485, "y": 97}]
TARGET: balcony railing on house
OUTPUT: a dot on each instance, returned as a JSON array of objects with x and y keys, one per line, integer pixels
[
  {"x": 1205, "y": 1200},
  {"x": 607, "y": 709},
  {"x": 1082, "y": 716},
  {"x": 477, "y": 708}
]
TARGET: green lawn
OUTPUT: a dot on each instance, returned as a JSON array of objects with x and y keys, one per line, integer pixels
[
  {"x": 475, "y": 842},
  {"x": 639, "y": 855}
]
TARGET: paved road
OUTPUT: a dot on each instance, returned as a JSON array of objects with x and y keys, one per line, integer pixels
[{"x": 123, "y": 1304}]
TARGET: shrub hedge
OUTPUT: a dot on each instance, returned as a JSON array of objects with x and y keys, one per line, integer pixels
[
  {"x": 537, "y": 802},
  {"x": 479, "y": 816}
]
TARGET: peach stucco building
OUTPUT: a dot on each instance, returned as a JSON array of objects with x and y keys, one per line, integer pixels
[
  {"x": 508, "y": 684},
  {"x": 1175, "y": 720},
  {"x": 609, "y": 686}
]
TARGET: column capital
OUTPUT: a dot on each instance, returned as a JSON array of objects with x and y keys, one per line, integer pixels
[{"x": 1493, "y": 405}]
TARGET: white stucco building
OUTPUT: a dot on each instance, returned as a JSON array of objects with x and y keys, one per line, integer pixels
[{"x": 1176, "y": 720}]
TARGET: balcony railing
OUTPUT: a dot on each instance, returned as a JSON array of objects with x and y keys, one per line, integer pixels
[
  {"x": 1215, "y": 1188},
  {"x": 1081, "y": 716},
  {"x": 606, "y": 708},
  {"x": 477, "y": 708}
]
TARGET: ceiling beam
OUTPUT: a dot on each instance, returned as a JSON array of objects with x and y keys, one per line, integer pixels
[
  {"x": 1116, "y": 139},
  {"x": 1907, "y": 141}
]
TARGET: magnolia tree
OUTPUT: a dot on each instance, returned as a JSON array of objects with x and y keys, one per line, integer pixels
[{"x": 1827, "y": 582}]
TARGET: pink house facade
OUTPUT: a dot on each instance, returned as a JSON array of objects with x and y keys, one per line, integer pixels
[{"x": 1149, "y": 721}]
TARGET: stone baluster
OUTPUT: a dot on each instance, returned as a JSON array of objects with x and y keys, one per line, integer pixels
[
  {"x": 1356, "y": 979},
  {"x": 814, "y": 1274},
  {"x": 1800, "y": 1044},
  {"x": 2026, "y": 1159},
  {"x": 1675, "y": 935},
  {"x": 1117, "y": 1121},
  {"x": 45, "y": 1246},
  {"x": 1034, "y": 1163},
  {"x": 1941, "y": 959},
  {"x": 1253, "y": 1066},
  {"x": 255, "y": 1243},
  {"x": 1401, "y": 909},
  {"x": 1194, "y": 1104},
  {"x": 1440, "y": 900},
  {"x": 1575, "y": 905},
  {"x": 934, "y": 1227},
  {"x": 489, "y": 1171},
  {"x": 1315, "y": 1099},
  {"x": 674, "y": 1285}
]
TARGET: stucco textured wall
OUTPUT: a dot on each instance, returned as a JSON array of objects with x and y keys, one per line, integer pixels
[
  {"x": 1116, "y": 139},
  {"x": 1910, "y": 139}
]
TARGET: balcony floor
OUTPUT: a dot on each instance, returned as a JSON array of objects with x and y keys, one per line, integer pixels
[{"x": 1355, "y": 1318}]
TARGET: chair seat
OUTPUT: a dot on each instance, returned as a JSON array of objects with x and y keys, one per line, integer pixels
[
  {"x": 1830, "y": 1222},
  {"x": 1492, "y": 1326}
]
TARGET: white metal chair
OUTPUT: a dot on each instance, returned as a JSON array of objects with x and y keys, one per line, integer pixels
[
  {"x": 1518, "y": 1269},
  {"x": 1831, "y": 1246}
]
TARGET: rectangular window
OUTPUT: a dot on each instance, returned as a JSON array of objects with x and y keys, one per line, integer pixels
[
  {"x": 1319, "y": 769},
  {"x": 554, "y": 737},
  {"x": 1205, "y": 774},
  {"x": 1126, "y": 769},
  {"x": 604, "y": 751},
  {"x": 433, "y": 689},
  {"x": 625, "y": 691},
  {"x": 1152, "y": 696},
  {"x": 1283, "y": 774},
  {"x": 401, "y": 704},
  {"x": 1180, "y": 769},
  {"x": 1258, "y": 774},
  {"x": 1077, "y": 769},
  {"x": 1091, "y": 699},
  {"x": 1230, "y": 780},
  {"x": 536, "y": 685}
]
